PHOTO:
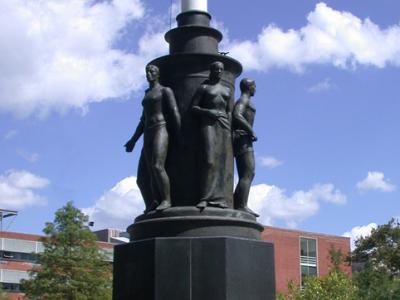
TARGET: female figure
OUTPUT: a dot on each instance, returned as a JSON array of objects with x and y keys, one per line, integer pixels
[{"x": 212, "y": 103}]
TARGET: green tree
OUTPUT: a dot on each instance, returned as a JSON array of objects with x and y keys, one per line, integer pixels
[
  {"x": 72, "y": 267},
  {"x": 381, "y": 249},
  {"x": 337, "y": 285},
  {"x": 3, "y": 294},
  {"x": 375, "y": 284},
  {"x": 379, "y": 254}
]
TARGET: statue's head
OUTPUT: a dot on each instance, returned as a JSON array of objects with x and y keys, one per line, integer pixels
[
  {"x": 248, "y": 86},
  {"x": 216, "y": 70},
  {"x": 152, "y": 73}
]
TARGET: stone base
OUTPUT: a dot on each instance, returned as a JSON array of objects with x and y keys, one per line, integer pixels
[
  {"x": 204, "y": 268},
  {"x": 193, "y": 222}
]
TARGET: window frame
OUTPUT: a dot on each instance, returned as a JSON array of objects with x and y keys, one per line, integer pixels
[{"x": 316, "y": 257}]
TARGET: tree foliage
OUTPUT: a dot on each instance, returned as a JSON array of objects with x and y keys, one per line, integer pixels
[
  {"x": 379, "y": 278},
  {"x": 376, "y": 285},
  {"x": 381, "y": 249},
  {"x": 379, "y": 254},
  {"x": 3, "y": 294},
  {"x": 72, "y": 267},
  {"x": 337, "y": 285}
]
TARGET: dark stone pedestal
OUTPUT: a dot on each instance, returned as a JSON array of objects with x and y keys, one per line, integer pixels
[
  {"x": 200, "y": 268},
  {"x": 192, "y": 222}
]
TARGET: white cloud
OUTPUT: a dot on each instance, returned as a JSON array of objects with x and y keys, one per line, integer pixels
[
  {"x": 175, "y": 9},
  {"x": 117, "y": 207},
  {"x": 270, "y": 161},
  {"x": 29, "y": 157},
  {"x": 61, "y": 54},
  {"x": 359, "y": 231},
  {"x": 10, "y": 134},
  {"x": 376, "y": 181},
  {"x": 272, "y": 203},
  {"x": 322, "y": 86},
  {"x": 17, "y": 189},
  {"x": 330, "y": 37}
]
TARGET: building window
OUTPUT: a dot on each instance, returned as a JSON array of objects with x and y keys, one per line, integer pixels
[
  {"x": 18, "y": 256},
  {"x": 308, "y": 258},
  {"x": 11, "y": 287},
  {"x": 7, "y": 255}
]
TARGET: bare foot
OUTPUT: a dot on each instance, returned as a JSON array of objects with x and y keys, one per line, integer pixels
[
  {"x": 202, "y": 205},
  {"x": 151, "y": 207},
  {"x": 164, "y": 205},
  {"x": 248, "y": 210}
]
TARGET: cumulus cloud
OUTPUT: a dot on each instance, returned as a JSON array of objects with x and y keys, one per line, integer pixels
[
  {"x": 272, "y": 203},
  {"x": 10, "y": 134},
  {"x": 322, "y": 86},
  {"x": 330, "y": 37},
  {"x": 117, "y": 207},
  {"x": 62, "y": 54},
  {"x": 359, "y": 231},
  {"x": 270, "y": 161},
  {"x": 28, "y": 156},
  {"x": 18, "y": 189},
  {"x": 376, "y": 181}
]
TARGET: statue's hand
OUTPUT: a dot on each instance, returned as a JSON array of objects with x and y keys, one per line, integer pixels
[
  {"x": 129, "y": 146},
  {"x": 215, "y": 114}
]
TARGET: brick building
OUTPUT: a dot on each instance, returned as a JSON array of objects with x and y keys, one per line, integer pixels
[
  {"x": 301, "y": 253},
  {"x": 18, "y": 255},
  {"x": 296, "y": 253}
]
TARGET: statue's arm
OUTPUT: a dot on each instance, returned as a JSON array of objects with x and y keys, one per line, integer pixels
[
  {"x": 173, "y": 107},
  {"x": 197, "y": 109},
  {"x": 239, "y": 120},
  {"x": 138, "y": 132},
  {"x": 230, "y": 106}
]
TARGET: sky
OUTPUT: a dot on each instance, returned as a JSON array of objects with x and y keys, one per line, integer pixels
[{"x": 72, "y": 80}]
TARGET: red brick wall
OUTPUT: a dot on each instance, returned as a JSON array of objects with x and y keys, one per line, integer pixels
[
  {"x": 287, "y": 253},
  {"x": 17, "y": 296},
  {"x": 16, "y": 265},
  {"x": 19, "y": 236}
]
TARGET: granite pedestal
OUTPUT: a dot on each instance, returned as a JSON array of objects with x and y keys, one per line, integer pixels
[
  {"x": 212, "y": 254},
  {"x": 215, "y": 268}
]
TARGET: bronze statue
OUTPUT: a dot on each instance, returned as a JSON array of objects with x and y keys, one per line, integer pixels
[
  {"x": 159, "y": 107},
  {"x": 244, "y": 136},
  {"x": 212, "y": 104}
]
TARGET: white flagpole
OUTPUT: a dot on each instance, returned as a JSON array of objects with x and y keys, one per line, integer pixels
[{"x": 188, "y": 5}]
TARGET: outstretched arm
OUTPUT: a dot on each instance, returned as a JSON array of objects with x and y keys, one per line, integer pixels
[{"x": 138, "y": 132}]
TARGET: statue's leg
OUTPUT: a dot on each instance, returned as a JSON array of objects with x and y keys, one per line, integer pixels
[
  {"x": 161, "y": 179},
  {"x": 144, "y": 182},
  {"x": 245, "y": 164},
  {"x": 209, "y": 173}
]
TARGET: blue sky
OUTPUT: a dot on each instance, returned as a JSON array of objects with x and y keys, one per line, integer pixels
[{"x": 327, "y": 119}]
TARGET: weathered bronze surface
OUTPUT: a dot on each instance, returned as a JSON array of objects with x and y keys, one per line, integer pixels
[
  {"x": 243, "y": 118},
  {"x": 197, "y": 238},
  {"x": 159, "y": 107},
  {"x": 190, "y": 126},
  {"x": 212, "y": 105}
]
